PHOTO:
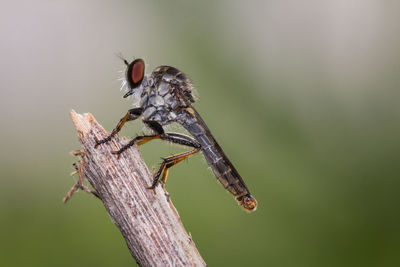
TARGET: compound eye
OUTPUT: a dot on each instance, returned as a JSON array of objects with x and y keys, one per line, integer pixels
[{"x": 135, "y": 73}]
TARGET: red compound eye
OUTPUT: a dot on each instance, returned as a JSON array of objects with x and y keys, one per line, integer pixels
[{"x": 137, "y": 71}]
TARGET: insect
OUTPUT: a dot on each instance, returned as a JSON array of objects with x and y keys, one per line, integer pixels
[{"x": 166, "y": 97}]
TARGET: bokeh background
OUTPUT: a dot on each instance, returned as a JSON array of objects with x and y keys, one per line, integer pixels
[{"x": 302, "y": 95}]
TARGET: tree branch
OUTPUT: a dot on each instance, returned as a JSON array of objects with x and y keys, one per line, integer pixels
[{"x": 148, "y": 220}]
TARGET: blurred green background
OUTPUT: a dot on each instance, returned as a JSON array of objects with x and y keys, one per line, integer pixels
[{"x": 302, "y": 95}]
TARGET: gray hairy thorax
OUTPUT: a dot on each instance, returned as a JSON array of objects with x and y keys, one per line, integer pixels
[{"x": 166, "y": 95}]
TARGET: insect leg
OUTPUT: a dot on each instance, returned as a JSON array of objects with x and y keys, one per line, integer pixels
[
  {"x": 167, "y": 163},
  {"x": 170, "y": 161},
  {"x": 138, "y": 140},
  {"x": 159, "y": 134},
  {"x": 132, "y": 114},
  {"x": 176, "y": 138},
  {"x": 174, "y": 159}
]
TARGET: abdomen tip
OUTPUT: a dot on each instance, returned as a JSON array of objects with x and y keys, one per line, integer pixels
[{"x": 248, "y": 202}]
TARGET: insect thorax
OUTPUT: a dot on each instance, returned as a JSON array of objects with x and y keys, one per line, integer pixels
[{"x": 168, "y": 92}]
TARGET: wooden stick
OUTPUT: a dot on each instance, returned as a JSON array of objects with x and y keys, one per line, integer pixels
[{"x": 147, "y": 219}]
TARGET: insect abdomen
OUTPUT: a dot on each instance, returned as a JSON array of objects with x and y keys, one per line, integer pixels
[{"x": 219, "y": 162}]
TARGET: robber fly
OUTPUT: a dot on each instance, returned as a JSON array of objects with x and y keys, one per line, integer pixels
[{"x": 166, "y": 97}]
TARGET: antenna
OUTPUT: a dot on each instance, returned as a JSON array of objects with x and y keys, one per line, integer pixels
[{"x": 119, "y": 55}]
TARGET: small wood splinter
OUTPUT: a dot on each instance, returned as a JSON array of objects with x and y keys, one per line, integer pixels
[{"x": 79, "y": 184}]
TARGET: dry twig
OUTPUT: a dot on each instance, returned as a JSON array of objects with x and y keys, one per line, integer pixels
[{"x": 148, "y": 221}]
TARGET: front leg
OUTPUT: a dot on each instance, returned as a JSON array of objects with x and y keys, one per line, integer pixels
[{"x": 132, "y": 114}]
